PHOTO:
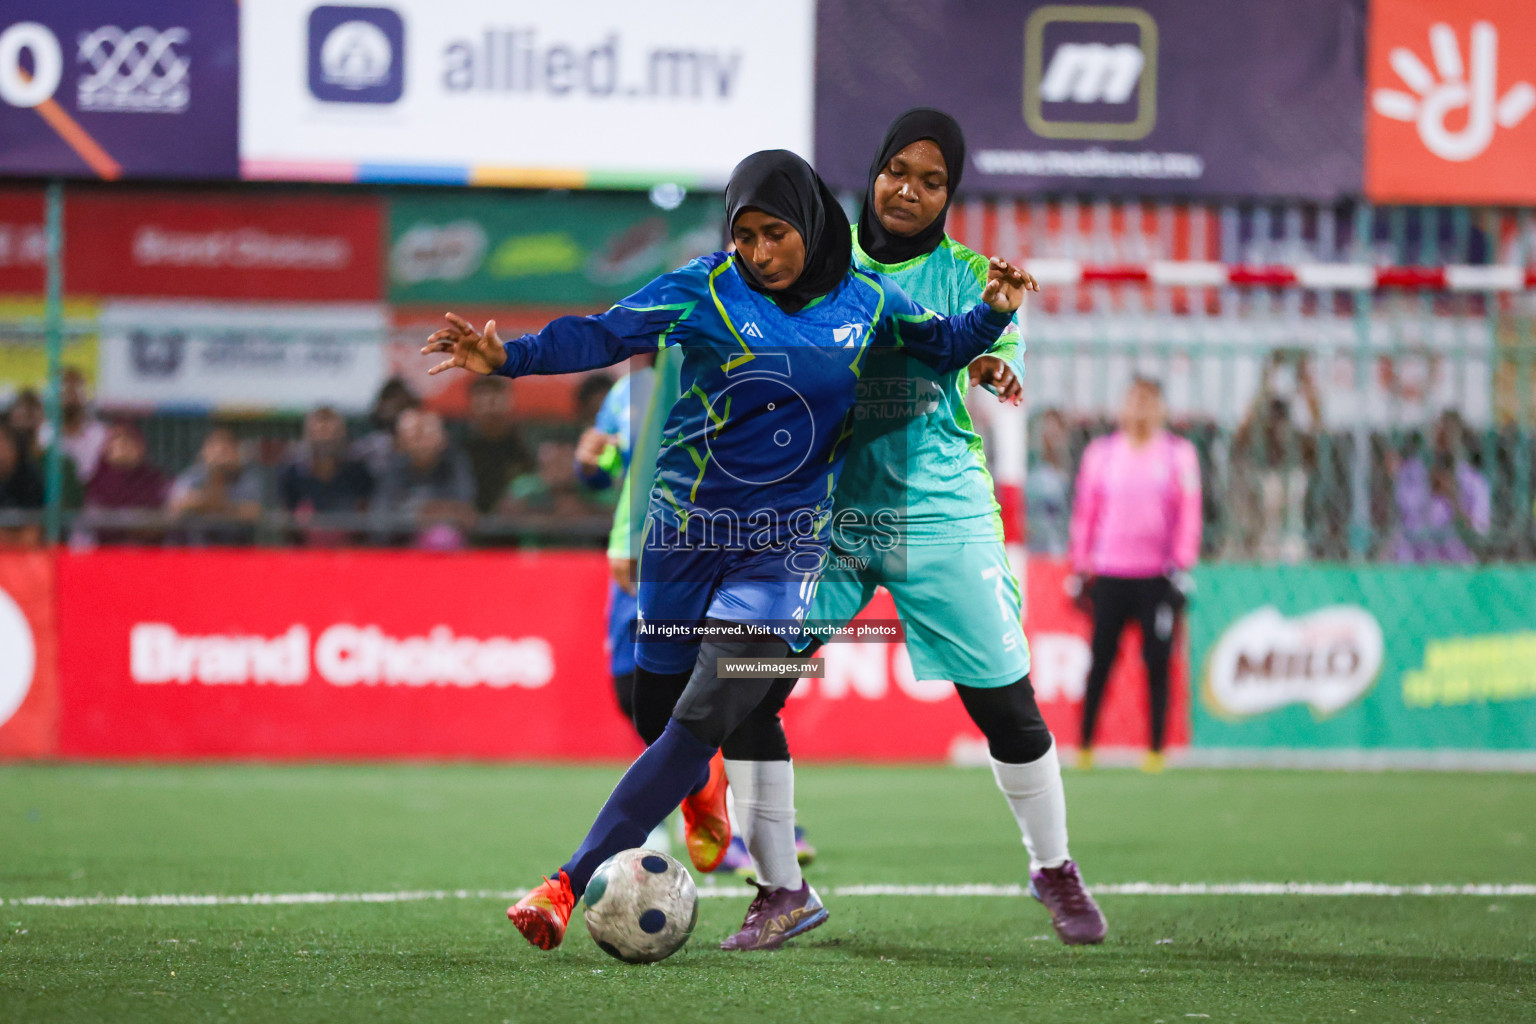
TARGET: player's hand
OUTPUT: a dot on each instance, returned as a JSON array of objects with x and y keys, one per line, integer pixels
[
  {"x": 623, "y": 572},
  {"x": 995, "y": 373},
  {"x": 590, "y": 448},
  {"x": 1079, "y": 590},
  {"x": 1006, "y": 285},
  {"x": 470, "y": 349}
]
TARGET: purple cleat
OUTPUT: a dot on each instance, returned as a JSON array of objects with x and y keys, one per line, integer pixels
[
  {"x": 1076, "y": 918},
  {"x": 776, "y": 916}
]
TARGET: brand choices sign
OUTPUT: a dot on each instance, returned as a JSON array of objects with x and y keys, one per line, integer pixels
[
  {"x": 1452, "y": 101},
  {"x": 473, "y": 91},
  {"x": 336, "y": 654},
  {"x": 146, "y": 243},
  {"x": 130, "y": 88},
  {"x": 384, "y": 654},
  {"x": 1165, "y": 97}
]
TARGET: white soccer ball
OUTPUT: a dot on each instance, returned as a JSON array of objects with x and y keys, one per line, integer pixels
[{"x": 640, "y": 906}]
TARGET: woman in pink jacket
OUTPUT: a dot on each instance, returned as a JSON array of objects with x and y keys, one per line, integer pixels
[{"x": 1135, "y": 534}]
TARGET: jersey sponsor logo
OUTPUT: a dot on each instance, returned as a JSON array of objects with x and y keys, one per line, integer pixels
[
  {"x": 1326, "y": 659},
  {"x": 848, "y": 335},
  {"x": 356, "y": 54},
  {"x": 1090, "y": 72}
]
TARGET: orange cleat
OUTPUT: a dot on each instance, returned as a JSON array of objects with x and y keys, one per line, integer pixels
[
  {"x": 707, "y": 827},
  {"x": 543, "y": 914}
]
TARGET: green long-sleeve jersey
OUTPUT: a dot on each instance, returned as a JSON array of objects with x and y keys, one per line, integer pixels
[{"x": 916, "y": 470}]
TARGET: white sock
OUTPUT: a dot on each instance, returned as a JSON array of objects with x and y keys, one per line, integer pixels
[
  {"x": 765, "y": 810},
  {"x": 1039, "y": 805}
]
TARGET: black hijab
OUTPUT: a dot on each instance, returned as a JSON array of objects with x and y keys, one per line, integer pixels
[
  {"x": 915, "y": 125},
  {"x": 781, "y": 184}
]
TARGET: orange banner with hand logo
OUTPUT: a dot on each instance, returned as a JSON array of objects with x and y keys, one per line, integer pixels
[{"x": 1451, "y": 101}]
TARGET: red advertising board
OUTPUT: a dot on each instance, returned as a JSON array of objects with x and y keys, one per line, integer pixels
[
  {"x": 335, "y": 654},
  {"x": 21, "y": 241},
  {"x": 171, "y": 654},
  {"x": 870, "y": 706},
  {"x": 29, "y": 698},
  {"x": 224, "y": 246}
]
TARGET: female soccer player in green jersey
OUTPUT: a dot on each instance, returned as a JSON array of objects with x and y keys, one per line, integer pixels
[{"x": 915, "y": 470}]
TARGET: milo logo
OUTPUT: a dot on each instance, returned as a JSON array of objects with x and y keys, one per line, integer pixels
[{"x": 1326, "y": 659}]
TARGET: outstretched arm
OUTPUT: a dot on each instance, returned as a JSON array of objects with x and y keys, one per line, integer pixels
[
  {"x": 641, "y": 323},
  {"x": 948, "y": 343}
]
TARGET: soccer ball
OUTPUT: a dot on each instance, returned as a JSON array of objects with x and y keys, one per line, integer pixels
[{"x": 640, "y": 906}]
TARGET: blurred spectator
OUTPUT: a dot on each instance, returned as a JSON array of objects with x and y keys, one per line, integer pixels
[
  {"x": 553, "y": 488},
  {"x": 21, "y": 490},
  {"x": 321, "y": 477},
  {"x": 219, "y": 486},
  {"x": 25, "y": 417},
  {"x": 125, "y": 480},
  {"x": 1048, "y": 487},
  {"x": 590, "y": 395},
  {"x": 428, "y": 482},
  {"x": 1272, "y": 461},
  {"x": 494, "y": 444},
  {"x": 376, "y": 449},
  {"x": 1135, "y": 536},
  {"x": 1443, "y": 501},
  {"x": 85, "y": 436}
]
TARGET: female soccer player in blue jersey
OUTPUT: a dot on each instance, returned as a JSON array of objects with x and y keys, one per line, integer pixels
[
  {"x": 774, "y": 340},
  {"x": 919, "y": 470}
]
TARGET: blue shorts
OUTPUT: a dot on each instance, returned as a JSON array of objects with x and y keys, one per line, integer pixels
[
  {"x": 622, "y": 607},
  {"x": 687, "y": 583}
]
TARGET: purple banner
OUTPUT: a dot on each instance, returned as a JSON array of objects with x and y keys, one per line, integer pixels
[
  {"x": 1167, "y": 97},
  {"x": 119, "y": 88}
]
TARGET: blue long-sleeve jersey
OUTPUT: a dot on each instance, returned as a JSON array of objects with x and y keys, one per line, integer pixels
[{"x": 756, "y": 441}]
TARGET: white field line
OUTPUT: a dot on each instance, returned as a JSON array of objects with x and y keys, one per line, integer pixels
[{"x": 734, "y": 892}]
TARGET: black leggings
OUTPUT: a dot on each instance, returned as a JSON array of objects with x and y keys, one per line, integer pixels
[
  {"x": 739, "y": 715},
  {"x": 624, "y": 693},
  {"x": 1010, "y": 720},
  {"x": 1154, "y": 604}
]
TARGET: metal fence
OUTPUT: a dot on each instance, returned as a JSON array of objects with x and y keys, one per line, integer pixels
[{"x": 1332, "y": 423}]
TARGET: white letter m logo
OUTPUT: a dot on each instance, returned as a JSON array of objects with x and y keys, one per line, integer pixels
[{"x": 1092, "y": 73}]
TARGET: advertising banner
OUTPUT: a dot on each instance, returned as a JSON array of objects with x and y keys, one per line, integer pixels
[
  {"x": 596, "y": 94},
  {"x": 119, "y": 89},
  {"x": 1164, "y": 97},
  {"x": 1451, "y": 116},
  {"x": 336, "y": 654},
  {"x": 1408, "y": 658},
  {"x": 162, "y": 245},
  {"x": 29, "y": 699},
  {"x": 23, "y": 246},
  {"x": 871, "y": 707},
  {"x": 242, "y": 355},
  {"x": 404, "y": 654},
  {"x": 552, "y": 250}
]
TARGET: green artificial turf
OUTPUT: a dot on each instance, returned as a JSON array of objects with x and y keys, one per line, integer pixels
[{"x": 70, "y": 830}]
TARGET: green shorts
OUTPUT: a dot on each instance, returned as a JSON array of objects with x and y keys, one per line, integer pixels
[{"x": 959, "y": 603}]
